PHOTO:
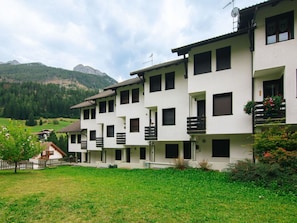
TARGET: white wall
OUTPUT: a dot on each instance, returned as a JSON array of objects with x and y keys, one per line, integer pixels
[
  {"x": 237, "y": 80},
  {"x": 280, "y": 54}
]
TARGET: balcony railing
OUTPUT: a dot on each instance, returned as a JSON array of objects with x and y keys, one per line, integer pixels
[
  {"x": 150, "y": 133},
  {"x": 99, "y": 142},
  {"x": 262, "y": 116},
  {"x": 121, "y": 138},
  {"x": 196, "y": 124},
  {"x": 83, "y": 144}
]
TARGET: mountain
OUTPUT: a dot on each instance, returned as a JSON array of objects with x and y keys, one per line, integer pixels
[
  {"x": 84, "y": 77},
  {"x": 88, "y": 70}
]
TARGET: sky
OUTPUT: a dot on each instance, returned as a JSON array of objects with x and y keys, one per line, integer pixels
[{"x": 114, "y": 36}]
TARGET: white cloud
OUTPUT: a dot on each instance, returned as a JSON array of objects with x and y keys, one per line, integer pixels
[{"x": 115, "y": 36}]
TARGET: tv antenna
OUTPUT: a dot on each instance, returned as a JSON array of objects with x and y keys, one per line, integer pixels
[
  {"x": 234, "y": 13},
  {"x": 151, "y": 59}
]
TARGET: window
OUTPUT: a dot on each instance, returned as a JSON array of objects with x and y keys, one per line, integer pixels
[
  {"x": 280, "y": 28},
  {"x": 187, "y": 150},
  {"x": 142, "y": 153},
  {"x": 92, "y": 135},
  {"x": 171, "y": 151},
  {"x": 220, "y": 148},
  {"x": 118, "y": 154},
  {"x": 79, "y": 138},
  {"x": 273, "y": 87},
  {"x": 222, "y": 104},
  {"x": 93, "y": 113},
  {"x": 86, "y": 114},
  {"x": 135, "y": 95},
  {"x": 169, "y": 116},
  {"x": 202, "y": 63},
  {"x": 73, "y": 138},
  {"x": 155, "y": 83},
  {"x": 110, "y": 131},
  {"x": 102, "y": 106},
  {"x": 111, "y": 106},
  {"x": 125, "y": 97},
  {"x": 134, "y": 125},
  {"x": 223, "y": 58},
  {"x": 169, "y": 80}
]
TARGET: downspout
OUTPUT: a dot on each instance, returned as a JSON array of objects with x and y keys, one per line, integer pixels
[{"x": 251, "y": 34}]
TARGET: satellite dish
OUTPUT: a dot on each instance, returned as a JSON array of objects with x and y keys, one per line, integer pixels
[{"x": 235, "y": 12}]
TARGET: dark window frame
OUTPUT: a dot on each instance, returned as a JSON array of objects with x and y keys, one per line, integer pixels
[
  {"x": 102, "y": 107},
  {"x": 220, "y": 104},
  {"x": 134, "y": 125},
  {"x": 166, "y": 116},
  {"x": 118, "y": 154},
  {"x": 93, "y": 113},
  {"x": 156, "y": 83},
  {"x": 79, "y": 138},
  {"x": 221, "y": 148},
  {"x": 171, "y": 151},
  {"x": 135, "y": 95},
  {"x": 110, "y": 131},
  {"x": 273, "y": 32},
  {"x": 142, "y": 153},
  {"x": 187, "y": 150},
  {"x": 169, "y": 80},
  {"x": 223, "y": 58},
  {"x": 111, "y": 106},
  {"x": 92, "y": 135},
  {"x": 72, "y": 138},
  {"x": 124, "y": 97},
  {"x": 202, "y": 63},
  {"x": 86, "y": 114}
]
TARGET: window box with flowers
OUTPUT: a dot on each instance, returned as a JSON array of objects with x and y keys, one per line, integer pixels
[{"x": 270, "y": 107}]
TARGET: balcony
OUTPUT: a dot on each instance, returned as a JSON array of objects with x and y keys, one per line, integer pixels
[
  {"x": 150, "y": 133},
  {"x": 121, "y": 138},
  {"x": 196, "y": 124},
  {"x": 262, "y": 116},
  {"x": 99, "y": 142},
  {"x": 83, "y": 145}
]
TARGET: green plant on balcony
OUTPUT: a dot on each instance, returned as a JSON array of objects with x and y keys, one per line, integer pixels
[{"x": 249, "y": 107}]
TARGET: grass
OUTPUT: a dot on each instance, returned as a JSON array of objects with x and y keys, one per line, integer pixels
[
  {"x": 81, "y": 194},
  {"x": 47, "y": 123}
]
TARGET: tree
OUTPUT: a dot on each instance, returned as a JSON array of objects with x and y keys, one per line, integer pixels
[{"x": 17, "y": 144}]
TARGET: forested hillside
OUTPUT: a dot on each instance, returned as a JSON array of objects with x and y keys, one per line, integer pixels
[
  {"x": 37, "y": 72},
  {"x": 19, "y": 100}
]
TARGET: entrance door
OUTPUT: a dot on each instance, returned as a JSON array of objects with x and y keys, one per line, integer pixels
[{"x": 128, "y": 154}]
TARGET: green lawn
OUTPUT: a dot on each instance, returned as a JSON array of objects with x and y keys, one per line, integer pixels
[
  {"x": 54, "y": 123},
  {"x": 81, "y": 194}
]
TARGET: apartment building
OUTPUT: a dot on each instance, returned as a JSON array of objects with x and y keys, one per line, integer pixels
[{"x": 191, "y": 108}]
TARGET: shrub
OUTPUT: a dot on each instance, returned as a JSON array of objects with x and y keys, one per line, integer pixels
[
  {"x": 180, "y": 164},
  {"x": 204, "y": 165},
  {"x": 269, "y": 175}
]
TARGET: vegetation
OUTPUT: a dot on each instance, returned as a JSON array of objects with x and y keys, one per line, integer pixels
[
  {"x": 80, "y": 194},
  {"x": 276, "y": 167},
  {"x": 20, "y": 101},
  {"x": 17, "y": 144},
  {"x": 36, "y": 72}
]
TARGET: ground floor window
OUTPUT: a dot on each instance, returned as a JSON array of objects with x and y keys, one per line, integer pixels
[
  {"x": 171, "y": 151},
  {"x": 118, "y": 154},
  {"x": 142, "y": 153},
  {"x": 187, "y": 150},
  {"x": 221, "y": 148}
]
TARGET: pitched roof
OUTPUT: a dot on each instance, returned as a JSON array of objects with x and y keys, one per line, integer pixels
[
  {"x": 102, "y": 94},
  {"x": 51, "y": 144},
  {"x": 157, "y": 66},
  {"x": 74, "y": 127},
  {"x": 83, "y": 104},
  {"x": 131, "y": 81}
]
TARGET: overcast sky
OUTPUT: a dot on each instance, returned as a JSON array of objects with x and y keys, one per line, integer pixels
[{"x": 113, "y": 36}]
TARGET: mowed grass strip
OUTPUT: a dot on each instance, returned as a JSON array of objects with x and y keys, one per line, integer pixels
[{"x": 81, "y": 194}]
